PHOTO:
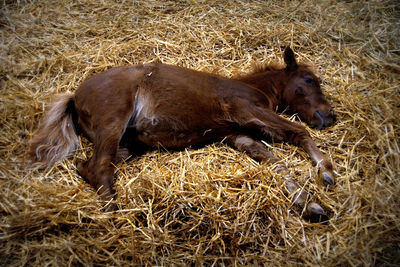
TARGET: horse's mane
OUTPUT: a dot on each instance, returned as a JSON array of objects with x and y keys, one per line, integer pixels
[
  {"x": 258, "y": 67},
  {"x": 266, "y": 66}
]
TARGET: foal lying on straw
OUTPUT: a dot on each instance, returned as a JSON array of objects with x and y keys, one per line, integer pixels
[{"x": 133, "y": 107}]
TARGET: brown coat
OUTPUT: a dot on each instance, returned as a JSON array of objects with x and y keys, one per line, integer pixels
[{"x": 161, "y": 105}]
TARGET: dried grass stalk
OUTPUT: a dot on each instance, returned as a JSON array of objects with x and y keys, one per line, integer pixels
[{"x": 211, "y": 205}]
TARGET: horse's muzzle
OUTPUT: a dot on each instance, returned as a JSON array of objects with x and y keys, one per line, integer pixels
[{"x": 325, "y": 120}]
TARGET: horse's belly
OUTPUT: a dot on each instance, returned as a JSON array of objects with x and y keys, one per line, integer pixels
[
  {"x": 172, "y": 140},
  {"x": 171, "y": 133}
]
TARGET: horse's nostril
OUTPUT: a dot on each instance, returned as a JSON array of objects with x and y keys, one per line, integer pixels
[
  {"x": 332, "y": 115},
  {"x": 320, "y": 115}
]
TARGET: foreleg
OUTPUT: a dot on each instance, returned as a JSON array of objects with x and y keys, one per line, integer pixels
[
  {"x": 278, "y": 128},
  {"x": 258, "y": 151},
  {"x": 254, "y": 148}
]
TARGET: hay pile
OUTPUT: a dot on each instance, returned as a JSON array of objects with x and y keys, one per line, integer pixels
[{"x": 212, "y": 205}]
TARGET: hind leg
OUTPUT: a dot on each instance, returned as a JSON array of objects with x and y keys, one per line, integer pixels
[
  {"x": 258, "y": 151},
  {"x": 122, "y": 155},
  {"x": 98, "y": 171}
]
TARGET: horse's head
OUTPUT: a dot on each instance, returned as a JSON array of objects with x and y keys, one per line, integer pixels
[{"x": 303, "y": 94}]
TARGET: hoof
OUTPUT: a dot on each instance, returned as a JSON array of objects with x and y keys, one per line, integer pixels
[
  {"x": 327, "y": 179},
  {"x": 110, "y": 204},
  {"x": 315, "y": 213},
  {"x": 315, "y": 209},
  {"x": 110, "y": 207}
]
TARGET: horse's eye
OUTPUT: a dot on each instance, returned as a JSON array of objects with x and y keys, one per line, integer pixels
[
  {"x": 299, "y": 91},
  {"x": 309, "y": 80}
]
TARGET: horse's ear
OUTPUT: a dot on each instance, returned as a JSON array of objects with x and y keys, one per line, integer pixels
[{"x": 290, "y": 60}]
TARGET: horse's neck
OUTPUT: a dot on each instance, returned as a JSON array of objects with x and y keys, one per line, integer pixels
[{"x": 270, "y": 82}]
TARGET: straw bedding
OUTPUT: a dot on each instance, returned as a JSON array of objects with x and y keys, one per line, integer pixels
[{"x": 211, "y": 205}]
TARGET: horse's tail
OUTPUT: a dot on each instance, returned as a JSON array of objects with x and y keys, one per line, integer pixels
[{"x": 56, "y": 136}]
